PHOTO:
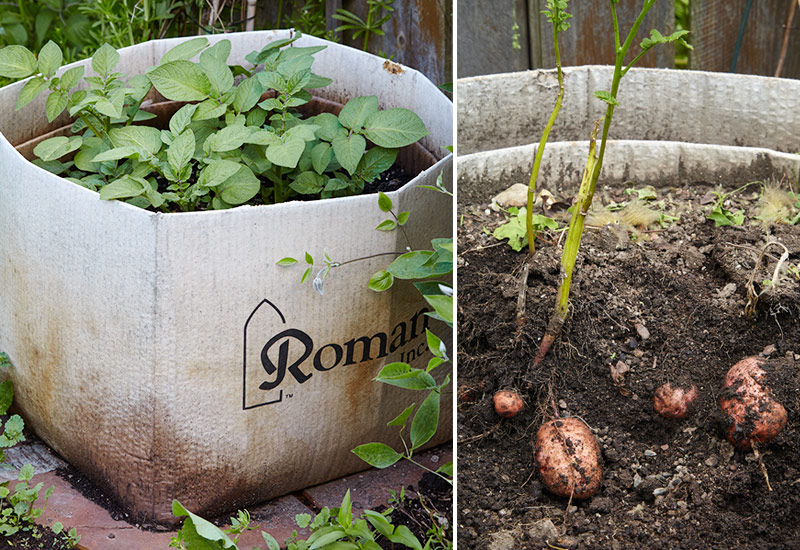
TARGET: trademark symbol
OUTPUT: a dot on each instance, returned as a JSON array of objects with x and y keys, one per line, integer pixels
[{"x": 289, "y": 396}]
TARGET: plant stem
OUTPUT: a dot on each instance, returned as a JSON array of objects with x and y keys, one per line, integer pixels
[
  {"x": 537, "y": 160},
  {"x": 583, "y": 202},
  {"x": 85, "y": 120}
]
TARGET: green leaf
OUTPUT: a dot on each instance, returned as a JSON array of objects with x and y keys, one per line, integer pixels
[
  {"x": 286, "y": 154},
  {"x": 57, "y": 147},
  {"x": 403, "y": 535},
  {"x": 326, "y": 539},
  {"x": 443, "y": 306},
  {"x": 283, "y": 261},
  {"x": 446, "y": 468},
  {"x": 71, "y": 78},
  {"x": 26, "y": 473},
  {"x": 303, "y": 520},
  {"x": 104, "y": 60},
  {"x": 321, "y": 157},
  {"x": 308, "y": 183},
  {"x": 657, "y": 38},
  {"x": 306, "y": 275},
  {"x": 386, "y": 225},
  {"x": 217, "y": 172},
  {"x": 181, "y": 150},
  {"x": 384, "y": 202},
  {"x": 376, "y": 161},
  {"x": 425, "y": 421},
  {"x": 227, "y": 139},
  {"x": 349, "y": 150},
  {"x": 6, "y": 395},
  {"x": 402, "y": 218},
  {"x": 248, "y": 92},
  {"x": 394, "y": 128},
  {"x": 217, "y": 72},
  {"x": 378, "y": 455},
  {"x": 345, "y": 515},
  {"x": 209, "y": 109},
  {"x": 329, "y": 126},
  {"x": 199, "y": 533},
  {"x": 403, "y": 376},
  {"x": 180, "y": 81},
  {"x": 14, "y": 426},
  {"x": 380, "y": 281},
  {"x": 182, "y": 118},
  {"x": 30, "y": 91},
  {"x": 143, "y": 138},
  {"x": 50, "y": 58},
  {"x": 434, "y": 344},
  {"x": 603, "y": 95},
  {"x": 400, "y": 419},
  {"x": 272, "y": 544},
  {"x": 412, "y": 265},
  {"x": 116, "y": 153},
  {"x": 185, "y": 50},
  {"x": 271, "y": 80},
  {"x": 123, "y": 188},
  {"x": 240, "y": 187},
  {"x": 17, "y": 62},
  {"x": 219, "y": 51},
  {"x": 309, "y": 259},
  {"x": 357, "y": 110},
  {"x": 55, "y": 104}
]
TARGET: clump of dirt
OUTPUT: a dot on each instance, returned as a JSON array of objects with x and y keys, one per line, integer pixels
[{"x": 656, "y": 306}]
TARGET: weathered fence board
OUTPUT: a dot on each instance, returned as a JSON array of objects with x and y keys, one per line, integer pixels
[
  {"x": 419, "y": 33},
  {"x": 488, "y": 31},
  {"x": 715, "y": 28},
  {"x": 590, "y": 38},
  {"x": 486, "y": 35}
]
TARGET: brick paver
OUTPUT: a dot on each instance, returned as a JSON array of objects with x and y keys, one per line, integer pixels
[{"x": 368, "y": 489}]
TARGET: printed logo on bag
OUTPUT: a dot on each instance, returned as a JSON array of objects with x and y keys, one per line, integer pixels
[{"x": 276, "y": 354}]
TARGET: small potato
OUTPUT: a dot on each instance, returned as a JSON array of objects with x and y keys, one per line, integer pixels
[
  {"x": 674, "y": 402},
  {"x": 507, "y": 403},
  {"x": 753, "y": 415},
  {"x": 568, "y": 458}
]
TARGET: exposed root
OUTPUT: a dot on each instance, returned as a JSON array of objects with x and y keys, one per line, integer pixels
[
  {"x": 763, "y": 468},
  {"x": 523, "y": 287},
  {"x": 550, "y": 335}
]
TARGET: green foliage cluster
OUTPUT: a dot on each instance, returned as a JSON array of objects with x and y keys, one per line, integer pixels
[
  {"x": 227, "y": 145},
  {"x": 330, "y": 529},
  {"x": 17, "y": 505},
  {"x": 514, "y": 228},
  {"x": 379, "y": 12}
]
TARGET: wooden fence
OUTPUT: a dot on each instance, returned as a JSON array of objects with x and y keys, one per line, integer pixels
[
  {"x": 419, "y": 33},
  {"x": 511, "y": 35}
]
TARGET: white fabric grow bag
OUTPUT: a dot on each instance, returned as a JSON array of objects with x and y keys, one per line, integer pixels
[
  {"x": 511, "y": 109},
  {"x": 137, "y": 337},
  {"x": 658, "y": 163}
]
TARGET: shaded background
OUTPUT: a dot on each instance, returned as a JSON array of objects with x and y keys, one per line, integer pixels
[{"x": 498, "y": 36}]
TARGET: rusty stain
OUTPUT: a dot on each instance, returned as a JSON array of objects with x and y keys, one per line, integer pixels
[{"x": 393, "y": 68}]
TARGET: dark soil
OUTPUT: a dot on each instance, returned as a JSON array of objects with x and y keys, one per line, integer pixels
[
  {"x": 676, "y": 484},
  {"x": 36, "y": 538},
  {"x": 430, "y": 504}
]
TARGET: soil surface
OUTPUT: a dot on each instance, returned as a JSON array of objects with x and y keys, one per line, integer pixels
[
  {"x": 647, "y": 307},
  {"x": 37, "y": 538}
]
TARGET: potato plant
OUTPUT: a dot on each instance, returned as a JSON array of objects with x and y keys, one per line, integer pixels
[{"x": 237, "y": 138}]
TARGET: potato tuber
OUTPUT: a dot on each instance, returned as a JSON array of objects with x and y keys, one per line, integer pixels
[
  {"x": 753, "y": 415},
  {"x": 674, "y": 402},
  {"x": 568, "y": 458},
  {"x": 507, "y": 403}
]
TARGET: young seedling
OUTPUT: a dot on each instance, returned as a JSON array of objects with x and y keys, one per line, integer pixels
[
  {"x": 594, "y": 164},
  {"x": 557, "y": 15}
]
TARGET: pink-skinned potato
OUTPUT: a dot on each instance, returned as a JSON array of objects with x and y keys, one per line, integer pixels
[
  {"x": 568, "y": 458},
  {"x": 507, "y": 403},
  {"x": 752, "y": 413},
  {"x": 674, "y": 402}
]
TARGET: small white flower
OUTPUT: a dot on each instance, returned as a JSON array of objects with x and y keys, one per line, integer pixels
[{"x": 446, "y": 290}]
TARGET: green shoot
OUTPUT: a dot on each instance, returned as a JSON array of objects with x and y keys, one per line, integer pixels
[
  {"x": 594, "y": 164},
  {"x": 557, "y": 15}
]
